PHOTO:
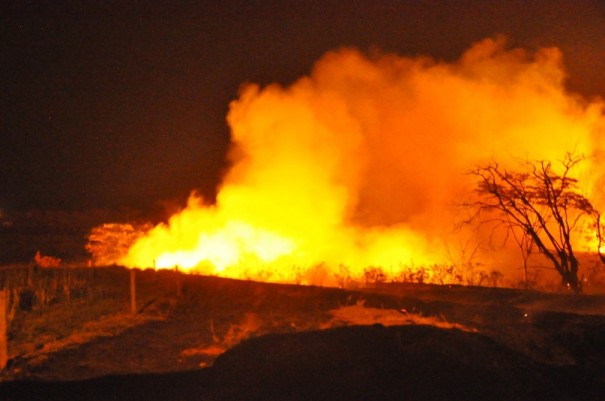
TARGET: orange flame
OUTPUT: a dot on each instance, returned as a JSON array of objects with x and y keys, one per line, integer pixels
[{"x": 358, "y": 164}]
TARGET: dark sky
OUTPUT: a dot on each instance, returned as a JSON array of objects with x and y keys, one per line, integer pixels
[{"x": 122, "y": 104}]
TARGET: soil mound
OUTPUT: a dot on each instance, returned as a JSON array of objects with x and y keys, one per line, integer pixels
[
  {"x": 347, "y": 363},
  {"x": 381, "y": 363}
]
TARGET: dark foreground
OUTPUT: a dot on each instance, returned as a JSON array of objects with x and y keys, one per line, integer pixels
[
  {"x": 353, "y": 363},
  {"x": 527, "y": 346}
]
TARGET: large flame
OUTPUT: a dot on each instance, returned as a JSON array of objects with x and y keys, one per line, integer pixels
[{"x": 358, "y": 165}]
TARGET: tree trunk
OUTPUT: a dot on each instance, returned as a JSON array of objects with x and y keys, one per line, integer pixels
[{"x": 570, "y": 278}]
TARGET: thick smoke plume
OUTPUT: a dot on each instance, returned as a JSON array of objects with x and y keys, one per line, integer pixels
[{"x": 361, "y": 163}]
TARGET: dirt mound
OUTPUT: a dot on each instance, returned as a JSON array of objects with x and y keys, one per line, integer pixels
[
  {"x": 347, "y": 363},
  {"x": 382, "y": 363}
]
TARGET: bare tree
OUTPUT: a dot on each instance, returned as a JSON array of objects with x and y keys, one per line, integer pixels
[
  {"x": 546, "y": 206},
  {"x": 526, "y": 245},
  {"x": 600, "y": 233}
]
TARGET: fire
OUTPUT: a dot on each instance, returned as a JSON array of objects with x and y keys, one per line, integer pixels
[
  {"x": 591, "y": 241},
  {"x": 358, "y": 164}
]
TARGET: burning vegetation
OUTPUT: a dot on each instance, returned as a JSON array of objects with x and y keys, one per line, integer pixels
[{"x": 360, "y": 169}]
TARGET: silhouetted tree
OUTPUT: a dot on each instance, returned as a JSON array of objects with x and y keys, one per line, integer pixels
[
  {"x": 526, "y": 246},
  {"x": 546, "y": 206},
  {"x": 600, "y": 233}
]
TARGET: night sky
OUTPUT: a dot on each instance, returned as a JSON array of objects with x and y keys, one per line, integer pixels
[{"x": 122, "y": 104}]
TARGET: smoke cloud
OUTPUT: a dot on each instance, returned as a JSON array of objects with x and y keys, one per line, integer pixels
[{"x": 362, "y": 162}]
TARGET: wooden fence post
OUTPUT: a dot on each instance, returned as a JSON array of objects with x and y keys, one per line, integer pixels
[
  {"x": 3, "y": 328},
  {"x": 178, "y": 279},
  {"x": 133, "y": 293}
]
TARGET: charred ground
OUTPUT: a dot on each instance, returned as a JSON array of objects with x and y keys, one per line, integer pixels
[{"x": 285, "y": 344}]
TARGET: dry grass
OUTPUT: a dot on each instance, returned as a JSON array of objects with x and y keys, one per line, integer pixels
[{"x": 359, "y": 314}]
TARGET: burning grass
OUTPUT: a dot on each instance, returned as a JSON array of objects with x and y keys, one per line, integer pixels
[
  {"x": 359, "y": 314},
  {"x": 350, "y": 172}
]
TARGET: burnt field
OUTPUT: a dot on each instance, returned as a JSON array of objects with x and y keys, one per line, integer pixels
[{"x": 73, "y": 336}]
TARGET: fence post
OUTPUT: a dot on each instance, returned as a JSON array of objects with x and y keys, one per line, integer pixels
[
  {"x": 3, "y": 328},
  {"x": 178, "y": 279},
  {"x": 133, "y": 292}
]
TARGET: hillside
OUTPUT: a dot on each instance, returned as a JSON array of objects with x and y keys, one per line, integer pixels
[{"x": 302, "y": 342}]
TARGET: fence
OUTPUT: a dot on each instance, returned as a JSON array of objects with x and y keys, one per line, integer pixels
[{"x": 26, "y": 289}]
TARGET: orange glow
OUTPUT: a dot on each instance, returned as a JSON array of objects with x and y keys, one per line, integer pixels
[
  {"x": 590, "y": 241},
  {"x": 359, "y": 164},
  {"x": 46, "y": 261}
]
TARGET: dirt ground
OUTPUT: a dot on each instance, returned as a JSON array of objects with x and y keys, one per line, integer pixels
[{"x": 206, "y": 338}]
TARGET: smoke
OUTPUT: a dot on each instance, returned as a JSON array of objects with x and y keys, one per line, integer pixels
[{"x": 361, "y": 163}]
